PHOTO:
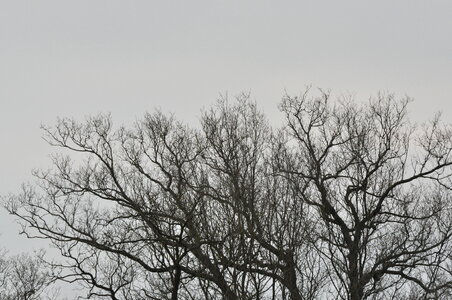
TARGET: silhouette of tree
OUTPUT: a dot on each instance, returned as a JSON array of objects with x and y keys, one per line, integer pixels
[
  {"x": 24, "y": 277},
  {"x": 346, "y": 201},
  {"x": 381, "y": 188}
]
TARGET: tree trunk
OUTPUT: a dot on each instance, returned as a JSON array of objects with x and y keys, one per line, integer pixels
[
  {"x": 292, "y": 285},
  {"x": 176, "y": 283},
  {"x": 290, "y": 279},
  {"x": 356, "y": 289}
]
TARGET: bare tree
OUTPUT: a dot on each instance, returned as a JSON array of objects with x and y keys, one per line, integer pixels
[
  {"x": 381, "y": 188},
  {"x": 25, "y": 277},
  {"x": 346, "y": 201}
]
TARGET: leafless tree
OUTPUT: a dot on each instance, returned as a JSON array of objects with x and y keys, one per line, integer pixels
[
  {"x": 381, "y": 188},
  {"x": 24, "y": 277},
  {"x": 346, "y": 201}
]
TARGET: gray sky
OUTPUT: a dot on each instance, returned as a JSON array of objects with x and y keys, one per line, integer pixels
[{"x": 75, "y": 58}]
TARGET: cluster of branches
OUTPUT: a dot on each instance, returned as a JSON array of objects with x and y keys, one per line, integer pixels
[
  {"x": 25, "y": 277},
  {"x": 345, "y": 201}
]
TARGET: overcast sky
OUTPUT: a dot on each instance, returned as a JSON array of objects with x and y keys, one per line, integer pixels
[{"x": 76, "y": 58}]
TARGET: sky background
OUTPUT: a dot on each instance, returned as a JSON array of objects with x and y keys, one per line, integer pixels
[{"x": 79, "y": 58}]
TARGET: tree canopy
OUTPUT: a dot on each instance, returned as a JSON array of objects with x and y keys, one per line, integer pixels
[
  {"x": 25, "y": 277},
  {"x": 346, "y": 200}
]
